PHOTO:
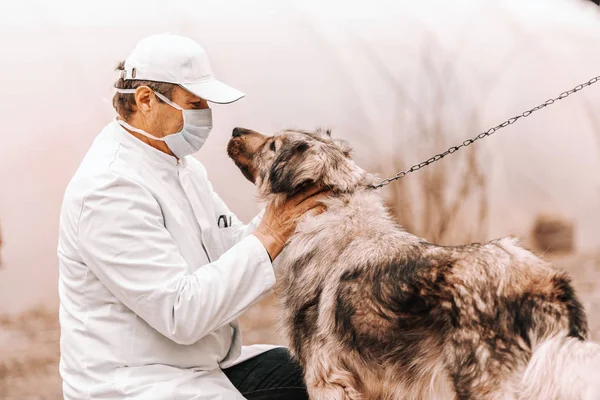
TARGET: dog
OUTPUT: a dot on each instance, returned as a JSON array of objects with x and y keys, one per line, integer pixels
[{"x": 373, "y": 312}]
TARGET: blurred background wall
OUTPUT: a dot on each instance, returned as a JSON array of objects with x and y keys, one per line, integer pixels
[
  {"x": 379, "y": 73},
  {"x": 401, "y": 80}
]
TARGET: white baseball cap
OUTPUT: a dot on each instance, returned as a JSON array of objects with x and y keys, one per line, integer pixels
[{"x": 179, "y": 60}]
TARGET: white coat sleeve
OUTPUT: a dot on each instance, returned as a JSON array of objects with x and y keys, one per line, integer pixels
[{"x": 123, "y": 240}]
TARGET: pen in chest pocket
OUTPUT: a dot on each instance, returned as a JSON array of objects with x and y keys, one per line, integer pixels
[{"x": 223, "y": 221}]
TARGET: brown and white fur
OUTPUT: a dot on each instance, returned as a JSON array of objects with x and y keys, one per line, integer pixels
[{"x": 374, "y": 312}]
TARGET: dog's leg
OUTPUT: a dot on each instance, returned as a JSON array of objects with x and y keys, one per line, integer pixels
[
  {"x": 326, "y": 380},
  {"x": 482, "y": 369},
  {"x": 332, "y": 392}
]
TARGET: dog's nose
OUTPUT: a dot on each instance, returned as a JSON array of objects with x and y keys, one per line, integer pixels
[{"x": 237, "y": 132}]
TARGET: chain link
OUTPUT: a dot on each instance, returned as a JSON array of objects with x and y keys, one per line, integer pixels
[{"x": 487, "y": 133}]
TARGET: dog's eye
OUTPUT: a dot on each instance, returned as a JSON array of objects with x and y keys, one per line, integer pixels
[{"x": 272, "y": 146}]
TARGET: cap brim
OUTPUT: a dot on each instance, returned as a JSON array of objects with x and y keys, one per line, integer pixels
[{"x": 214, "y": 91}]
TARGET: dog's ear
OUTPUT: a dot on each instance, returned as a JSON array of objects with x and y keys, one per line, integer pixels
[
  {"x": 323, "y": 132},
  {"x": 293, "y": 171},
  {"x": 344, "y": 146},
  {"x": 300, "y": 165}
]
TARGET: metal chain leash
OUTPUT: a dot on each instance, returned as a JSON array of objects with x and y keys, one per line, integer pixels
[{"x": 468, "y": 142}]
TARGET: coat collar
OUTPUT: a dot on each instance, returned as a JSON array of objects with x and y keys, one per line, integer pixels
[{"x": 131, "y": 142}]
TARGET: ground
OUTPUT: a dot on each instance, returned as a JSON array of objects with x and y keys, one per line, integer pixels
[{"x": 29, "y": 342}]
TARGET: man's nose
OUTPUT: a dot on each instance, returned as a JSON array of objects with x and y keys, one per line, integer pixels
[{"x": 237, "y": 132}]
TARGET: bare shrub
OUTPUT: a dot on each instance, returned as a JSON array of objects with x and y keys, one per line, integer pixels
[{"x": 445, "y": 202}]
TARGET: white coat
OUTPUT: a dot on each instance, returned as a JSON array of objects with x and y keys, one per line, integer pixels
[{"x": 153, "y": 271}]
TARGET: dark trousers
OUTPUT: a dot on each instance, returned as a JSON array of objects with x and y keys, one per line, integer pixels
[{"x": 271, "y": 375}]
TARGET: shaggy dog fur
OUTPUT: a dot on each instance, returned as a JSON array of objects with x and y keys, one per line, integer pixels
[{"x": 374, "y": 312}]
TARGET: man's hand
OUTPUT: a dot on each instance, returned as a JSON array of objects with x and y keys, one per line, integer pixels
[{"x": 279, "y": 222}]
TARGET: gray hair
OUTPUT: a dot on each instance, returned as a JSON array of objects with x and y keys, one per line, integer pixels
[{"x": 123, "y": 103}]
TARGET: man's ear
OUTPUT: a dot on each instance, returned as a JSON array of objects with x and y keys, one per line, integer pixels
[{"x": 144, "y": 97}]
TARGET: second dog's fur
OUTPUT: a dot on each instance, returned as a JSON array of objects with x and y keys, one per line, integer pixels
[{"x": 374, "y": 312}]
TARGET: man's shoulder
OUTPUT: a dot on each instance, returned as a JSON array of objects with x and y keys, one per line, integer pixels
[
  {"x": 101, "y": 167},
  {"x": 97, "y": 178}
]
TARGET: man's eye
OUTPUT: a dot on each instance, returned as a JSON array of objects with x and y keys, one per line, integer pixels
[{"x": 272, "y": 146}]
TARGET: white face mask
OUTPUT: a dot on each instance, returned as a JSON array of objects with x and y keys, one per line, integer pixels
[{"x": 197, "y": 125}]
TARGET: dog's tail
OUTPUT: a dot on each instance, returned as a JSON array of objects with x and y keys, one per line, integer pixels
[{"x": 563, "y": 368}]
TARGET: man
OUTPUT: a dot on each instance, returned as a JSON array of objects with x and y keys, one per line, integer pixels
[{"x": 154, "y": 268}]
